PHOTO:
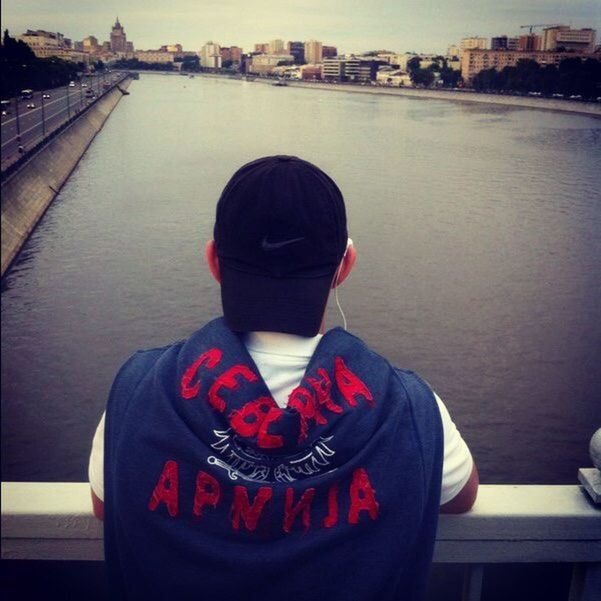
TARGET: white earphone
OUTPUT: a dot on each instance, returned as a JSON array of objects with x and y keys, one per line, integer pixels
[{"x": 349, "y": 242}]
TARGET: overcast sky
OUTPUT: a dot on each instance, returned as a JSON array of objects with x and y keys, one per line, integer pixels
[{"x": 351, "y": 25}]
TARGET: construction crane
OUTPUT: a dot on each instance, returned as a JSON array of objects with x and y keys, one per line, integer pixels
[{"x": 531, "y": 27}]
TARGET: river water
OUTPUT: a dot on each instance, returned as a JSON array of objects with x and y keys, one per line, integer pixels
[{"x": 478, "y": 231}]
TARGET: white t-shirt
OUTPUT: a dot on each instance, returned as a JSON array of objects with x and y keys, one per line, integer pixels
[{"x": 282, "y": 360}]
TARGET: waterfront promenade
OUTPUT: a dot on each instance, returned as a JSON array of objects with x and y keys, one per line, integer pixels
[{"x": 592, "y": 109}]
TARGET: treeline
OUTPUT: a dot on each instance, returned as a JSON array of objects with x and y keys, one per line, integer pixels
[
  {"x": 573, "y": 77},
  {"x": 20, "y": 69},
  {"x": 437, "y": 72},
  {"x": 134, "y": 63}
]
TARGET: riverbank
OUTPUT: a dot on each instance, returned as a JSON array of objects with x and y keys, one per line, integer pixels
[
  {"x": 592, "y": 109},
  {"x": 550, "y": 104},
  {"x": 28, "y": 193}
]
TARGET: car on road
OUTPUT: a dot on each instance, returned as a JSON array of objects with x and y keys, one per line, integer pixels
[
  {"x": 31, "y": 105},
  {"x": 71, "y": 84},
  {"x": 26, "y": 94},
  {"x": 46, "y": 96},
  {"x": 84, "y": 85},
  {"x": 5, "y": 108}
]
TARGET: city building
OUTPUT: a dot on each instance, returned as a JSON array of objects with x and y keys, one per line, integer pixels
[
  {"x": 118, "y": 38},
  {"x": 474, "y": 61},
  {"x": 287, "y": 71},
  {"x": 171, "y": 48},
  {"x": 90, "y": 44},
  {"x": 236, "y": 54},
  {"x": 453, "y": 50},
  {"x": 474, "y": 43},
  {"x": 297, "y": 50},
  {"x": 264, "y": 64},
  {"x": 529, "y": 43},
  {"x": 40, "y": 40},
  {"x": 310, "y": 72},
  {"x": 210, "y": 56},
  {"x": 565, "y": 38},
  {"x": 351, "y": 68},
  {"x": 333, "y": 69},
  {"x": 276, "y": 47},
  {"x": 262, "y": 48},
  {"x": 231, "y": 54},
  {"x": 329, "y": 51},
  {"x": 401, "y": 60},
  {"x": 155, "y": 56},
  {"x": 313, "y": 52},
  {"x": 503, "y": 43},
  {"x": 45, "y": 44},
  {"x": 388, "y": 76}
]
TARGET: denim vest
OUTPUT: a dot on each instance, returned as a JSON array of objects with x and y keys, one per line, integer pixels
[{"x": 212, "y": 491}]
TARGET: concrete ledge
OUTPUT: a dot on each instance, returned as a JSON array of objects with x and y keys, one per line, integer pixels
[
  {"x": 54, "y": 521},
  {"x": 28, "y": 193}
]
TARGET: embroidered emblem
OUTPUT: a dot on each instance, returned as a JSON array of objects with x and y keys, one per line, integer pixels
[{"x": 254, "y": 467}]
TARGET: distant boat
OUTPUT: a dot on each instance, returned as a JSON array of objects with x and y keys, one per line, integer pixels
[
  {"x": 190, "y": 76},
  {"x": 250, "y": 78},
  {"x": 279, "y": 83}
]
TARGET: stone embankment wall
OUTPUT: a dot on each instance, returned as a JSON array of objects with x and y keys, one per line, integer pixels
[
  {"x": 29, "y": 192},
  {"x": 569, "y": 106}
]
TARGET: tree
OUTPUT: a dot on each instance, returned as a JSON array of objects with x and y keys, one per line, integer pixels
[
  {"x": 450, "y": 77},
  {"x": 414, "y": 63},
  {"x": 422, "y": 77},
  {"x": 572, "y": 77},
  {"x": 20, "y": 68}
]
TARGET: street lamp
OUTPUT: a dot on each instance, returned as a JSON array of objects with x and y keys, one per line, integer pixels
[
  {"x": 68, "y": 105},
  {"x": 17, "y": 116},
  {"x": 43, "y": 118}
]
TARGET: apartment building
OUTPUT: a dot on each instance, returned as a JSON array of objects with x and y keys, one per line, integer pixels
[
  {"x": 474, "y": 61},
  {"x": 313, "y": 52},
  {"x": 566, "y": 38}
]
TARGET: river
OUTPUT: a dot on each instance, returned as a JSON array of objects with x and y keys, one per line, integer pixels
[{"x": 478, "y": 232}]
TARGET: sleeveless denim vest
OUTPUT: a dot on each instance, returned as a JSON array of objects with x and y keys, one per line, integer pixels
[{"x": 212, "y": 491}]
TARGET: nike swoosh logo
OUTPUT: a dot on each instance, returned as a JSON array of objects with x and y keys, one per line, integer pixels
[{"x": 266, "y": 245}]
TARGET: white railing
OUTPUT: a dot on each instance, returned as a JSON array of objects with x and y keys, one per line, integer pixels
[{"x": 508, "y": 523}]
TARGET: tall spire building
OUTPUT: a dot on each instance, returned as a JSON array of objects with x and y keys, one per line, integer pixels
[{"x": 118, "y": 38}]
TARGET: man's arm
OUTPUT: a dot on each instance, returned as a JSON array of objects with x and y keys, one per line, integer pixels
[
  {"x": 466, "y": 497},
  {"x": 460, "y": 478},
  {"x": 96, "y": 471},
  {"x": 97, "y": 505}
]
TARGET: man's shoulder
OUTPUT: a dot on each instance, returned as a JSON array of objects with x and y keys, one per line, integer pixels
[
  {"x": 144, "y": 359},
  {"x": 410, "y": 379}
]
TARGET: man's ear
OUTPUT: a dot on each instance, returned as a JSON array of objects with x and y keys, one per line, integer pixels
[
  {"x": 346, "y": 265},
  {"x": 213, "y": 260}
]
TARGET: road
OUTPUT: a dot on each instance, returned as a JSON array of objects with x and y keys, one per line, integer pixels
[{"x": 26, "y": 127}]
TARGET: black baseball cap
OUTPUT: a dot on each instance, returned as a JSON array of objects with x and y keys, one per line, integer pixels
[{"x": 280, "y": 234}]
